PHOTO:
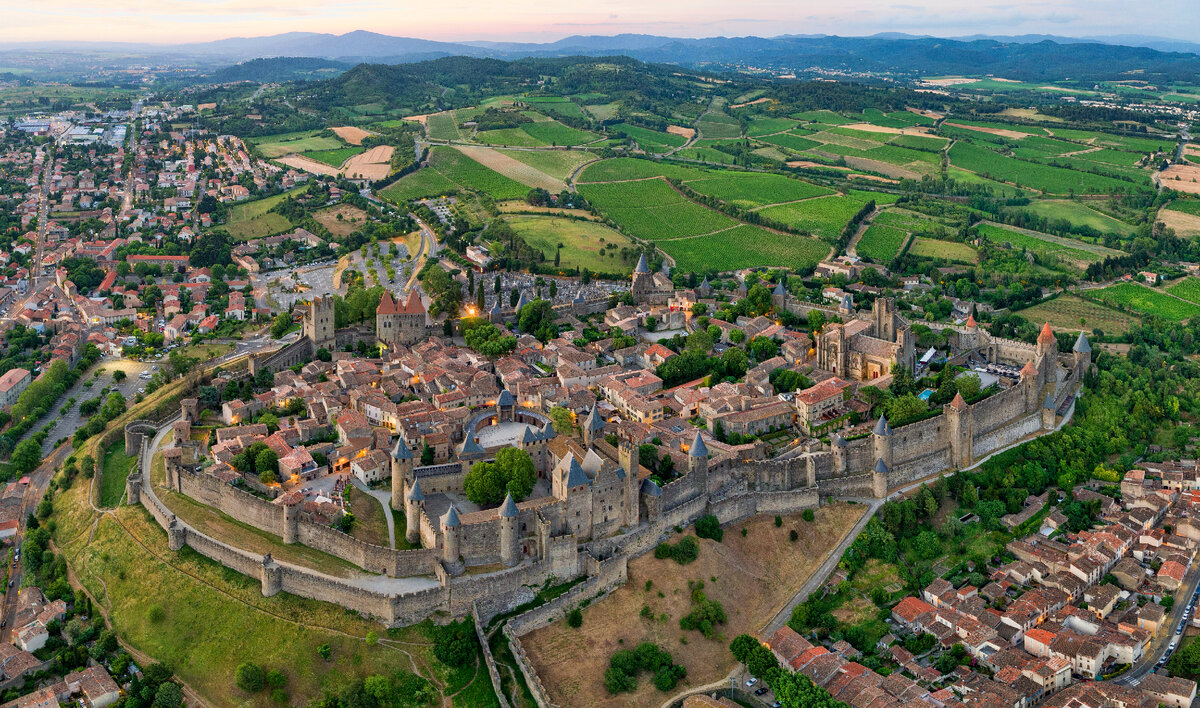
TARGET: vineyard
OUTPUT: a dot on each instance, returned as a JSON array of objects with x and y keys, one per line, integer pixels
[
  {"x": 652, "y": 210},
  {"x": 629, "y": 168},
  {"x": 824, "y": 216},
  {"x": 744, "y": 246},
  {"x": 649, "y": 140},
  {"x": 1044, "y": 245},
  {"x": 1071, "y": 313},
  {"x": 1054, "y": 180},
  {"x": 881, "y": 244},
  {"x": 1138, "y": 298},
  {"x": 1187, "y": 288},
  {"x": 751, "y": 189}
]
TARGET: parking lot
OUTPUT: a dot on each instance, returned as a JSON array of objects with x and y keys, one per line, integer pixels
[{"x": 89, "y": 387}]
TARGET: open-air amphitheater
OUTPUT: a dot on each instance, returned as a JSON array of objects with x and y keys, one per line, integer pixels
[{"x": 602, "y": 509}]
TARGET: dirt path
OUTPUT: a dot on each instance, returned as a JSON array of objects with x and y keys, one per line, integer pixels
[{"x": 852, "y": 247}]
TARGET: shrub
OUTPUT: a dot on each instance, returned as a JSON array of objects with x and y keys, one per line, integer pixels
[
  {"x": 809, "y": 515},
  {"x": 662, "y": 550},
  {"x": 709, "y": 527},
  {"x": 155, "y": 614},
  {"x": 575, "y": 618},
  {"x": 276, "y": 678},
  {"x": 249, "y": 677},
  {"x": 778, "y": 521},
  {"x": 279, "y": 696},
  {"x": 325, "y": 652},
  {"x": 686, "y": 551},
  {"x": 793, "y": 535},
  {"x": 455, "y": 644},
  {"x": 624, "y": 666}
]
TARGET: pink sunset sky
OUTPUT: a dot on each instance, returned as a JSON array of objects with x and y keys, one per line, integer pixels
[{"x": 170, "y": 21}]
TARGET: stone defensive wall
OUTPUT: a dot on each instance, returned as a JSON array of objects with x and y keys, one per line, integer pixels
[{"x": 285, "y": 523}]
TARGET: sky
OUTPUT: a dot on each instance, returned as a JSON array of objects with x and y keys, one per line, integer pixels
[{"x": 173, "y": 21}]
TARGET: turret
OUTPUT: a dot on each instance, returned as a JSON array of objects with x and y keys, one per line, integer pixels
[
  {"x": 882, "y": 437},
  {"x": 960, "y": 419},
  {"x": 291, "y": 521},
  {"x": 1047, "y": 352},
  {"x": 1049, "y": 413},
  {"x": 402, "y": 468},
  {"x": 632, "y": 485},
  {"x": 1083, "y": 354},
  {"x": 451, "y": 531},
  {"x": 506, "y": 406},
  {"x": 510, "y": 553},
  {"x": 838, "y": 443},
  {"x": 879, "y": 480},
  {"x": 698, "y": 462},
  {"x": 414, "y": 501},
  {"x": 593, "y": 427},
  {"x": 1029, "y": 382}
]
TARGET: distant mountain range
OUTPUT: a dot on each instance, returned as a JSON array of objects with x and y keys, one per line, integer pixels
[{"x": 1029, "y": 57}]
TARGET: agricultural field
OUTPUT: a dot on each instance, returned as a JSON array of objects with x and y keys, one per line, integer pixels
[
  {"x": 752, "y": 576},
  {"x": 790, "y": 141},
  {"x": 1187, "y": 288},
  {"x": 585, "y": 244},
  {"x": 649, "y": 140},
  {"x": 442, "y": 126},
  {"x": 1141, "y": 299},
  {"x": 1187, "y": 206},
  {"x": 718, "y": 125},
  {"x": 426, "y": 182},
  {"x": 334, "y": 158},
  {"x": 1052, "y": 180},
  {"x": 1080, "y": 214},
  {"x": 621, "y": 169},
  {"x": 551, "y": 132},
  {"x": 824, "y": 216},
  {"x": 505, "y": 163},
  {"x": 509, "y": 137},
  {"x": 919, "y": 142},
  {"x": 272, "y": 146},
  {"x": 922, "y": 247},
  {"x": 1075, "y": 254},
  {"x": 822, "y": 116},
  {"x": 653, "y": 210},
  {"x": 744, "y": 246},
  {"x": 1072, "y": 313},
  {"x": 555, "y": 104},
  {"x": 751, "y": 189},
  {"x": 559, "y": 164},
  {"x": 767, "y": 126},
  {"x": 450, "y": 170},
  {"x": 250, "y": 220},
  {"x": 881, "y": 243}
]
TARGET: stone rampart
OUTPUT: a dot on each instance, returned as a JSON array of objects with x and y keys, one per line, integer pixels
[{"x": 369, "y": 557}]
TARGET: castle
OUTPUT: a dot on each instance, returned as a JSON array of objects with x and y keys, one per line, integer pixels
[
  {"x": 650, "y": 288},
  {"x": 397, "y": 323},
  {"x": 867, "y": 349},
  {"x": 318, "y": 325}
]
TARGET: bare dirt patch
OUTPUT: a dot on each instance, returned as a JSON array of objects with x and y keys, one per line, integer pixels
[
  {"x": 948, "y": 81},
  {"x": 755, "y": 575},
  {"x": 309, "y": 165},
  {"x": 1011, "y": 134},
  {"x": 873, "y": 178},
  {"x": 884, "y": 168},
  {"x": 755, "y": 102},
  {"x": 352, "y": 219},
  {"x": 501, "y": 162},
  {"x": 807, "y": 163},
  {"x": 421, "y": 118},
  {"x": 857, "y": 610},
  {"x": 688, "y": 132},
  {"x": 872, "y": 128},
  {"x": 374, "y": 164},
  {"x": 1181, "y": 178},
  {"x": 1184, "y": 224},
  {"x": 350, "y": 134}
]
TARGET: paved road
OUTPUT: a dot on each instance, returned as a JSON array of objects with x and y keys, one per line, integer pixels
[{"x": 1158, "y": 646}]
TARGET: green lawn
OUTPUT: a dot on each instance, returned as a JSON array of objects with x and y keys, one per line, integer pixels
[
  {"x": 117, "y": 466},
  {"x": 585, "y": 244}
]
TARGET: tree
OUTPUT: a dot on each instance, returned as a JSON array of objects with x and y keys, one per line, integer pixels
[
  {"x": 512, "y": 472},
  {"x": 281, "y": 324},
  {"x": 427, "y": 456},
  {"x": 575, "y": 618},
  {"x": 168, "y": 695},
  {"x": 561, "y": 418},
  {"x": 26, "y": 456},
  {"x": 119, "y": 375},
  {"x": 249, "y": 677}
]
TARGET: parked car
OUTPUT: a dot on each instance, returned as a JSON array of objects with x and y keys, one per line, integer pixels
[
  {"x": 761, "y": 690},
  {"x": 752, "y": 681}
]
